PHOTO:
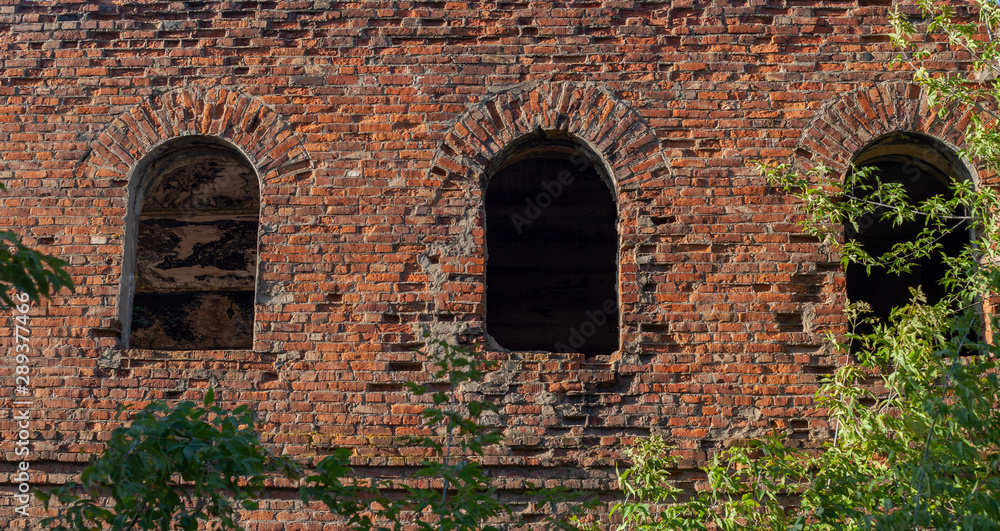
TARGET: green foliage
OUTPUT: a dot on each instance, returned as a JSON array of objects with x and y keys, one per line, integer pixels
[
  {"x": 466, "y": 499},
  {"x": 830, "y": 203},
  {"x": 648, "y": 489},
  {"x": 188, "y": 466},
  {"x": 28, "y": 271},
  {"x": 331, "y": 484},
  {"x": 566, "y": 507},
  {"x": 916, "y": 410},
  {"x": 917, "y": 446},
  {"x": 917, "y": 442},
  {"x": 972, "y": 88},
  {"x": 748, "y": 488},
  {"x": 171, "y": 469},
  {"x": 25, "y": 270}
]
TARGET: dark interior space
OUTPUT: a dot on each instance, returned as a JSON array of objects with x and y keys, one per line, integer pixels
[
  {"x": 552, "y": 256},
  {"x": 196, "y": 257},
  {"x": 880, "y": 288}
]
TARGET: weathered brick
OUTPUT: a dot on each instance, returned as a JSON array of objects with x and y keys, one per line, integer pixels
[{"x": 374, "y": 128}]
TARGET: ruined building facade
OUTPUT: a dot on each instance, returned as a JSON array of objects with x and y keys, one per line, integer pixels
[{"x": 276, "y": 198}]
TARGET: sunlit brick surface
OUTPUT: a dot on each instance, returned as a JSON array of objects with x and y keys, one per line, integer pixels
[{"x": 373, "y": 128}]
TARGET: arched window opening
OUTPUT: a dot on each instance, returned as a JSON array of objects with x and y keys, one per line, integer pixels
[
  {"x": 552, "y": 251},
  {"x": 925, "y": 167},
  {"x": 195, "y": 246}
]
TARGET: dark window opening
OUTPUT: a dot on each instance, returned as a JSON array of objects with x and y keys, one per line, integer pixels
[
  {"x": 196, "y": 252},
  {"x": 552, "y": 256},
  {"x": 881, "y": 289}
]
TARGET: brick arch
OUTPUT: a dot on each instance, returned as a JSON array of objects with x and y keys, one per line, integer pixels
[
  {"x": 849, "y": 123},
  {"x": 262, "y": 134},
  {"x": 216, "y": 116},
  {"x": 609, "y": 125}
]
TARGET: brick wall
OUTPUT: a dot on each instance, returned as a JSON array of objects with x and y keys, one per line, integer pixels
[{"x": 373, "y": 127}]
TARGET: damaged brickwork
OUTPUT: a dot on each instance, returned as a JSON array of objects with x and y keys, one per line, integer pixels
[{"x": 278, "y": 199}]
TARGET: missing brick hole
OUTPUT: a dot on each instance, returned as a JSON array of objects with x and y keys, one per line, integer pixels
[
  {"x": 47, "y": 240},
  {"x": 790, "y": 322},
  {"x": 105, "y": 332},
  {"x": 438, "y": 387},
  {"x": 406, "y": 366},
  {"x": 384, "y": 387},
  {"x": 527, "y": 451},
  {"x": 803, "y": 238},
  {"x": 413, "y": 345},
  {"x": 254, "y": 122},
  {"x": 789, "y": 318},
  {"x": 819, "y": 369},
  {"x": 663, "y": 220}
]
